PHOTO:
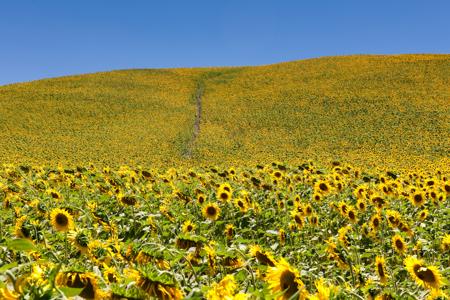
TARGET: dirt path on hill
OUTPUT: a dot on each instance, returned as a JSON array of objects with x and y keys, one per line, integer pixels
[{"x": 198, "y": 117}]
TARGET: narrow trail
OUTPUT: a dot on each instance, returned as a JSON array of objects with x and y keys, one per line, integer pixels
[{"x": 198, "y": 116}]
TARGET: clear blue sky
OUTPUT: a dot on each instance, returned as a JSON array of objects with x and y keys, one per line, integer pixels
[{"x": 44, "y": 38}]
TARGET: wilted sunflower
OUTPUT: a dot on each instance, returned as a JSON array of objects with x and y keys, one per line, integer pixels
[
  {"x": 380, "y": 269},
  {"x": 284, "y": 279},
  {"x": 425, "y": 276},
  {"x": 211, "y": 211},
  {"x": 399, "y": 244},
  {"x": 75, "y": 279},
  {"x": 61, "y": 219},
  {"x": 158, "y": 285}
]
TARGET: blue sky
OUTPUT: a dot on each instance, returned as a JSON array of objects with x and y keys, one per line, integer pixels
[{"x": 40, "y": 39}]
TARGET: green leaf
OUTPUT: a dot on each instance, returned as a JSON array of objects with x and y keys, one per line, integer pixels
[
  {"x": 20, "y": 245},
  {"x": 8, "y": 266},
  {"x": 71, "y": 292}
]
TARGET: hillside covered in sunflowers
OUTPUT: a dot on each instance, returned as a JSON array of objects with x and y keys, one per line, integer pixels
[{"x": 320, "y": 179}]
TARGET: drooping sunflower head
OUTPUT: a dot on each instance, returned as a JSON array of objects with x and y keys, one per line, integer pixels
[
  {"x": 85, "y": 280},
  {"x": 425, "y": 276},
  {"x": 283, "y": 278},
  {"x": 211, "y": 211},
  {"x": 158, "y": 285},
  {"x": 61, "y": 219},
  {"x": 399, "y": 244}
]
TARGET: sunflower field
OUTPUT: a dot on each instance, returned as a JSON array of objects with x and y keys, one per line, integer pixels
[{"x": 273, "y": 231}]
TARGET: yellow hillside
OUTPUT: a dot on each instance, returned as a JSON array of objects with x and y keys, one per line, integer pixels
[{"x": 367, "y": 110}]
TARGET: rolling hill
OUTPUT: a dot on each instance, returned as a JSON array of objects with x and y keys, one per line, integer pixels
[{"x": 369, "y": 110}]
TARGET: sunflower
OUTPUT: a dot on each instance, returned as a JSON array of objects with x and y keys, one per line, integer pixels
[
  {"x": 201, "y": 198},
  {"x": 188, "y": 226},
  {"x": 282, "y": 236},
  {"x": 361, "y": 205},
  {"x": 241, "y": 204},
  {"x": 377, "y": 200},
  {"x": 314, "y": 220},
  {"x": 317, "y": 196},
  {"x": 224, "y": 192},
  {"x": 399, "y": 244},
  {"x": 343, "y": 235},
  {"x": 222, "y": 290},
  {"x": 351, "y": 215},
  {"x": 84, "y": 280},
  {"x": 158, "y": 285},
  {"x": 229, "y": 231},
  {"x": 264, "y": 258},
  {"x": 211, "y": 211},
  {"x": 417, "y": 198},
  {"x": 322, "y": 187},
  {"x": 61, "y": 219},
  {"x": 23, "y": 228},
  {"x": 375, "y": 222},
  {"x": 445, "y": 244},
  {"x": 284, "y": 279},
  {"x": 393, "y": 217},
  {"x": 343, "y": 207},
  {"x": 80, "y": 239},
  {"x": 110, "y": 274},
  {"x": 425, "y": 276},
  {"x": 423, "y": 214},
  {"x": 380, "y": 268},
  {"x": 324, "y": 291},
  {"x": 298, "y": 218}
]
